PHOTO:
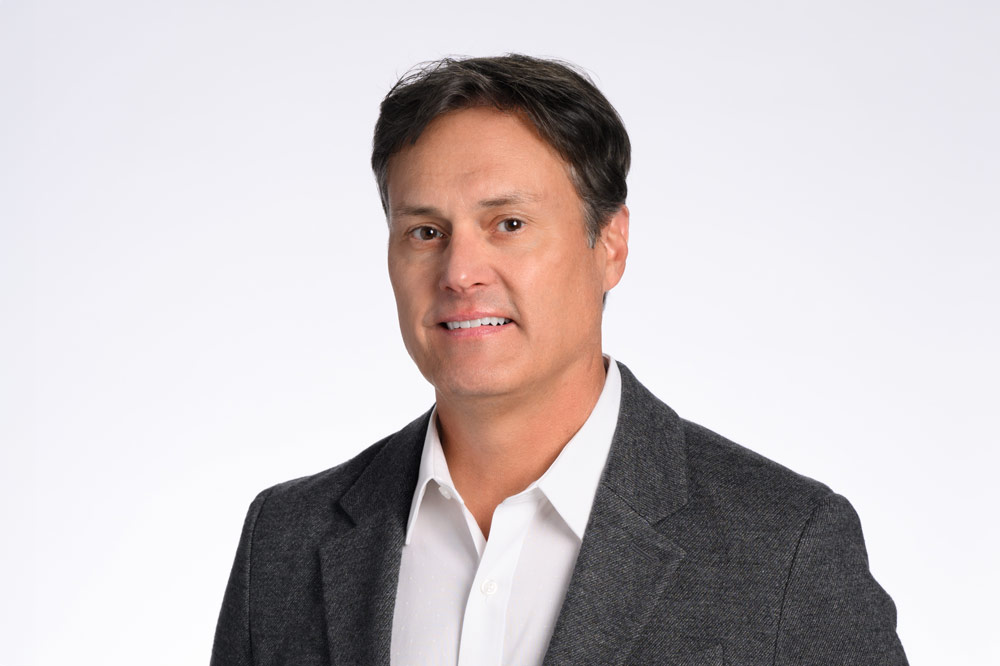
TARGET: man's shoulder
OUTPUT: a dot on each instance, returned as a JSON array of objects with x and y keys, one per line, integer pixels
[
  {"x": 313, "y": 496},
  {"x": 736, "y": 480},
  {"x": 743, "y": 482},
  {"x": 328, "y": 484}
]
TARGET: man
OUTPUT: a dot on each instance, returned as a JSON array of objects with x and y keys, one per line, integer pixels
[{"x": 548, "y": 509}]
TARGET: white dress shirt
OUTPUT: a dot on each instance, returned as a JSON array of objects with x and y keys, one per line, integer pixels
[{"x": 464, "y": 600}]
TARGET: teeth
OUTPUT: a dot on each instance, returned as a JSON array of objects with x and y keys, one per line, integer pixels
[{"x": 475, "y": 323}]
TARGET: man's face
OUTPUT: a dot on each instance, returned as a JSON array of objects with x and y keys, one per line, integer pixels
[{"x": 485, "y": 223}]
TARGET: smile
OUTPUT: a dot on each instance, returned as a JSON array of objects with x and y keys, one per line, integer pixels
[{"x": 475, "y": 323}]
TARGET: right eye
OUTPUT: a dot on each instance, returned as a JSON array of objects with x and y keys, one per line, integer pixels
[{"x": 425, "y": 233}]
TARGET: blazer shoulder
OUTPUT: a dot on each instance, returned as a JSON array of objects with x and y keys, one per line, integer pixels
[
  {"x": 661, "y": 450},
  {"x": 746, "y": 482},
  {"x": 307, "y": 501}
]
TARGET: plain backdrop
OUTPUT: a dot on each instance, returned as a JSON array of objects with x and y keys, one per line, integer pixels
[{"x": 194, "y": 302}]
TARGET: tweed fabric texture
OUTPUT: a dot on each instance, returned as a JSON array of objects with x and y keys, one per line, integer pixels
[{"x": 697, "y": 551}]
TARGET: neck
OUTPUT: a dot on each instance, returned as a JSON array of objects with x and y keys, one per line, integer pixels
[{"x": 498, "y": 446}]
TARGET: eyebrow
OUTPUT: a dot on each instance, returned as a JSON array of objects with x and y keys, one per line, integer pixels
[
  {"x": 506, "y": 199},
  {"x": 416, "y": 211},
  {"x": 509, "y": 199}
]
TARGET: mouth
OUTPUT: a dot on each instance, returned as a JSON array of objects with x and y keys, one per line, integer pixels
[{"x": 476, "y": 323}]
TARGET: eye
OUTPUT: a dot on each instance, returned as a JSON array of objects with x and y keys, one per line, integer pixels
[
  {"x": 425, "y": 233},
  {"x": 511, "y": 225}
]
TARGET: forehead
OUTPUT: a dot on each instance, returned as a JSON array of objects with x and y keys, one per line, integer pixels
[{"x": 476, "y": 152}]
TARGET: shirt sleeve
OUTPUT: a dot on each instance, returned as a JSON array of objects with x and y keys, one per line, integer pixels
[{"x": 834, "y": 611}]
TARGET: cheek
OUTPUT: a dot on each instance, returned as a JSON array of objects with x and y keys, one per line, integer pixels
[
  {"x": 574, "y": 276},
  {"x": 409, "y": 309},
  {"x": 560, "y": 291},
  {"x": 413, "y": 297},
  {"x": 404, "y": 301}
]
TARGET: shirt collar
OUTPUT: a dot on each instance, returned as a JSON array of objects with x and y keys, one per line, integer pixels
[
  {"x": 570, "y": 483},
  {"x": 433, "y": 467}
]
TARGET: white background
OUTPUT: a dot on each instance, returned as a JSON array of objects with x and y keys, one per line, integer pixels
[{"x": 194, "y": 303}]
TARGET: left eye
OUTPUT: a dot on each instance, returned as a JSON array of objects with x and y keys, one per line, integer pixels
[
  {"x": 425, "y": 233},
  {"x": 511, "y": 224}
]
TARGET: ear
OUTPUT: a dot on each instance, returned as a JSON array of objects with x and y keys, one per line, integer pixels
[{"x": 614, "y": 240}]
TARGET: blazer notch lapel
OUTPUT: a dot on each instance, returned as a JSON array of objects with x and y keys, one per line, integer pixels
[
  {"x": 647, "y": 464},
  {"x": 360, "y": 572},
  {"x": 626, "y": 562},
  {"x": 360, "y": 561},
  {"x": 622, "y": 571}
]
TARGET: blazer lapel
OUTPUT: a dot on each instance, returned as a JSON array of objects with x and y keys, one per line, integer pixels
[
  {"x": 360, "y": 562},
  {"x": 625, "y": 562}
]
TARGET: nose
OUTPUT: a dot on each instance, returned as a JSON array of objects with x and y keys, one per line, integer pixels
[{"x": 465, "y": 262}]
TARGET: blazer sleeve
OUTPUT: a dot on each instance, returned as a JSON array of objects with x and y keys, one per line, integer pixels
[
  {"x": 232, "y": 645},
  {"x": 834, "y": 612}
]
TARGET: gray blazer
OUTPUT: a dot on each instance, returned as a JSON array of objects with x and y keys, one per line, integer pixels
[{"x": 697, "y": 551}]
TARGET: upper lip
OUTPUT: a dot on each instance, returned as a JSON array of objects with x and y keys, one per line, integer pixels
[{"x": 468, "y": 315}]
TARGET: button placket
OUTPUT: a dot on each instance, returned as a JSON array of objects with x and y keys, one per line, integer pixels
[{"x": 483, "y": 627}]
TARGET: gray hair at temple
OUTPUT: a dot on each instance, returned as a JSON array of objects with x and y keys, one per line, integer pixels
[{"x": 562, "y": 103}]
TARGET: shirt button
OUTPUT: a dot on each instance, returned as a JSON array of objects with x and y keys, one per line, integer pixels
[
  {"x": 444, "y": 492},
  {"x": 489, "y": 587}
]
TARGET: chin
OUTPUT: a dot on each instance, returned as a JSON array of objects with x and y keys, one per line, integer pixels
[{"x": 472, "y": 383}]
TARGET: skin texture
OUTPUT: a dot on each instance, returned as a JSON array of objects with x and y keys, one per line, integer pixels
[{"x": 484, "y": 221}]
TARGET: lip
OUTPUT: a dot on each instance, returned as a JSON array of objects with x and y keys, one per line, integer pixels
[
  {"x": 471, "y": 314},
  {"x": 479, "y": 331}
]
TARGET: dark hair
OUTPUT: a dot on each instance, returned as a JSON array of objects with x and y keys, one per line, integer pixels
[{"x": 566, "y": 108}]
